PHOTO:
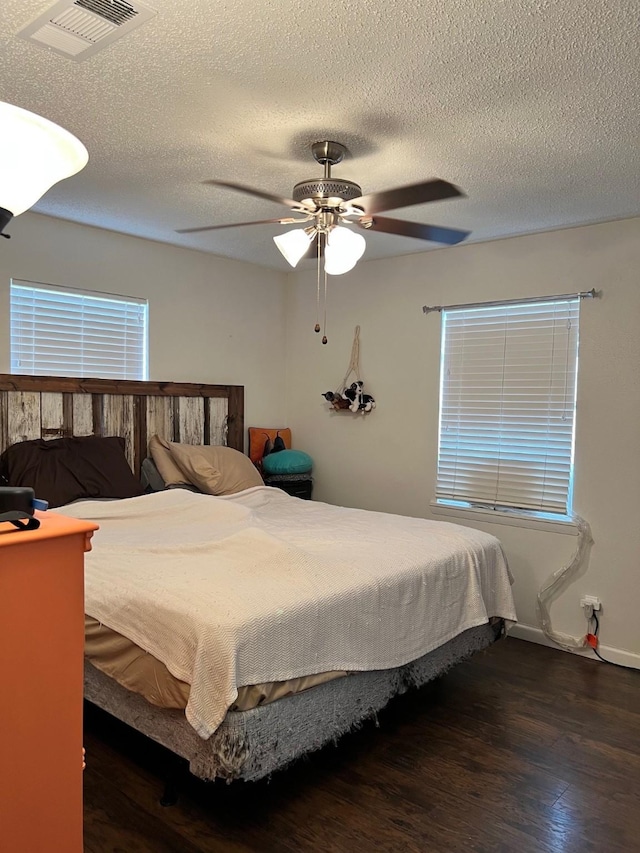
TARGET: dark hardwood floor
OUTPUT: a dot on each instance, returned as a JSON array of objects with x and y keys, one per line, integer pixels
[{"x": 522, "y": 749}]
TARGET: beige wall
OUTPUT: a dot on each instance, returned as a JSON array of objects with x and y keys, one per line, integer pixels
[
  {"x": 210, "y": 319},
  {"x": 387, "y": 460},
  {"x": 216, "y": 320}
]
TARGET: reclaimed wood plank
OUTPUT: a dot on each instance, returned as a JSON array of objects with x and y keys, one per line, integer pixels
[
  {"x": 4, "y": 416},
  {"x": 140, "y": 444},
  {"x": 175, "y": 418},
  {"x": 97, "y": 414},
  {"x": 67, "y": 413},
  {"x": 82, "y": 422},
  {"x": 118, "y": 419},
  {"x": 191, "y": 420},
  {"x": 218, "y": 409},
  {"x": 23, "y": 421},
  {"x": 235, "y": 437},
  {"x": 159, "y": 418},
  {"x": 206, "y": 424},
  {"x": 51, "y": 415}
]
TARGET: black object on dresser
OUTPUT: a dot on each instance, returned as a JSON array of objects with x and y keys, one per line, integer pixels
[{"x": 296, "y": 485}]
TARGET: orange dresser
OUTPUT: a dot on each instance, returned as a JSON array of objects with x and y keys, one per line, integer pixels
[{"x": 41, "y": 672}]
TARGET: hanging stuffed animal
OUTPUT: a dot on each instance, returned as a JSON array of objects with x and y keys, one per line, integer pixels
[
  {"x": 365, "y": 401},
  {"x": 337, "y": 400},
  {"x": 360, "y": 402},
  {"x": 352, "y": 397}
]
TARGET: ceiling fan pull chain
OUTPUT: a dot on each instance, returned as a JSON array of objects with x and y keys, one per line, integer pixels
[
  {"x": 317, "y": 326},
  {"x": 324, "y": 331}
]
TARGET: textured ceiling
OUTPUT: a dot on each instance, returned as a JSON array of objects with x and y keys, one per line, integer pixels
[{"x": 531, "y": 106}]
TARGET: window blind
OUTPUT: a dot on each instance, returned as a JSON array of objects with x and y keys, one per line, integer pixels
[
  {"x": 507, "y": 405},
  {"x": 58, "y": 332}
]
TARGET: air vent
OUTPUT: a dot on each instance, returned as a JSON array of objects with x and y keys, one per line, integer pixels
[
  {"x": 81, "y": 28},
  {"x": 113, "y": 10}
]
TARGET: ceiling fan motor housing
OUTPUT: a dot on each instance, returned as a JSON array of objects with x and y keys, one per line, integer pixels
[{"x": 326, "y": 190}]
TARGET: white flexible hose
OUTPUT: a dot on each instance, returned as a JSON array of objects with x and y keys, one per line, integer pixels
[{"x": 554, "y": 583}]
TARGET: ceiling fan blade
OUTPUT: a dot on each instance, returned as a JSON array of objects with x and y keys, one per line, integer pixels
[
  {"x": 283, "y": 221},
  {"x": 288, "y": 202},
  {"x": 433, "y": 233},
  {"x": 434, "y": 190}
]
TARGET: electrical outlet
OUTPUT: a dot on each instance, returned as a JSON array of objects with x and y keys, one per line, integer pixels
[{"x": 591, "y": 601}]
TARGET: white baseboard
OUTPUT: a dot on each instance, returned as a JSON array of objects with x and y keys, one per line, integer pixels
[{"x": 535, "y": 635}]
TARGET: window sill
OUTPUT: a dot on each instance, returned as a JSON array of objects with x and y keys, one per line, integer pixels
[{"x": 563, "y": 524}]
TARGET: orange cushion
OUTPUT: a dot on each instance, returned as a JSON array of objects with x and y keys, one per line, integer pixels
[{"x": 258, "y": 438}]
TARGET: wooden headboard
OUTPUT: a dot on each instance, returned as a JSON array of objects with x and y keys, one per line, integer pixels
[{"x": 57, "y": 407}]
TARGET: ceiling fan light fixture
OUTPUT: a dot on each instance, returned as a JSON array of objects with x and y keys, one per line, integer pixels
[
  {"x": 344, "y": 250},
  {"x": 35, "y": 154},
  {"x": 294, "y": 244}
]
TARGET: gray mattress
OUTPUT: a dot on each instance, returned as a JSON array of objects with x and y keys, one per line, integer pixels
[{"x": 252, "y": 744}]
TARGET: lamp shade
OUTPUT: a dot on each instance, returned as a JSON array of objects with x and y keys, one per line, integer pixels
[
  {"x": 344, "y": 250},
  {"x": 293, "y": 244},
  {"x": 35, "y": 154}
]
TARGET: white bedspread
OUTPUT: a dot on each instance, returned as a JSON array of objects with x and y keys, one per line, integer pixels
[{"x": 261, "y": 587}]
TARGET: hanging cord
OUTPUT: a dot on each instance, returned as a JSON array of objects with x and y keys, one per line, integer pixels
[
  {"x": 324, "y": 328},
  {"x": 554, "y": 584},
  {"x": 597, "y": 653},
  {"x": 354, "y": 363},
  {"x": 317, "y": 326}
]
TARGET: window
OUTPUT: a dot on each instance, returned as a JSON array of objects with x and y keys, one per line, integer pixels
[
  {"x": 507, "y": 406},
  {"x": 64, "y": 332}
]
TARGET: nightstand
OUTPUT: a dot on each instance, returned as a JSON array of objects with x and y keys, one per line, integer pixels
[{"x": 296, "y": 485}]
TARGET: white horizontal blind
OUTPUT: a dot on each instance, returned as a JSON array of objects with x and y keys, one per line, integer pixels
[
  {"x": 57, "y": 332},
  {"x": 507, "y": 407}
]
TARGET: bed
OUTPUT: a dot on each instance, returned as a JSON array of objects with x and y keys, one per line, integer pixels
[{"x": 351, "y": 608}]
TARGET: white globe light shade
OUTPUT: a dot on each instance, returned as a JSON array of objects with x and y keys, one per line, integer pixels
[
  {"x": 293, "y": 244},
  {"x": 35, "y": 154},
  {"x": 344, "y": 250}
]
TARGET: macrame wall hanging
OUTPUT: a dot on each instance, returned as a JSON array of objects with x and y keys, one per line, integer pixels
[{"x": 351, "y": 397}]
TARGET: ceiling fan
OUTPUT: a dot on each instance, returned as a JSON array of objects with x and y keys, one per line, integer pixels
[{"x": 333, "y": 210}]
